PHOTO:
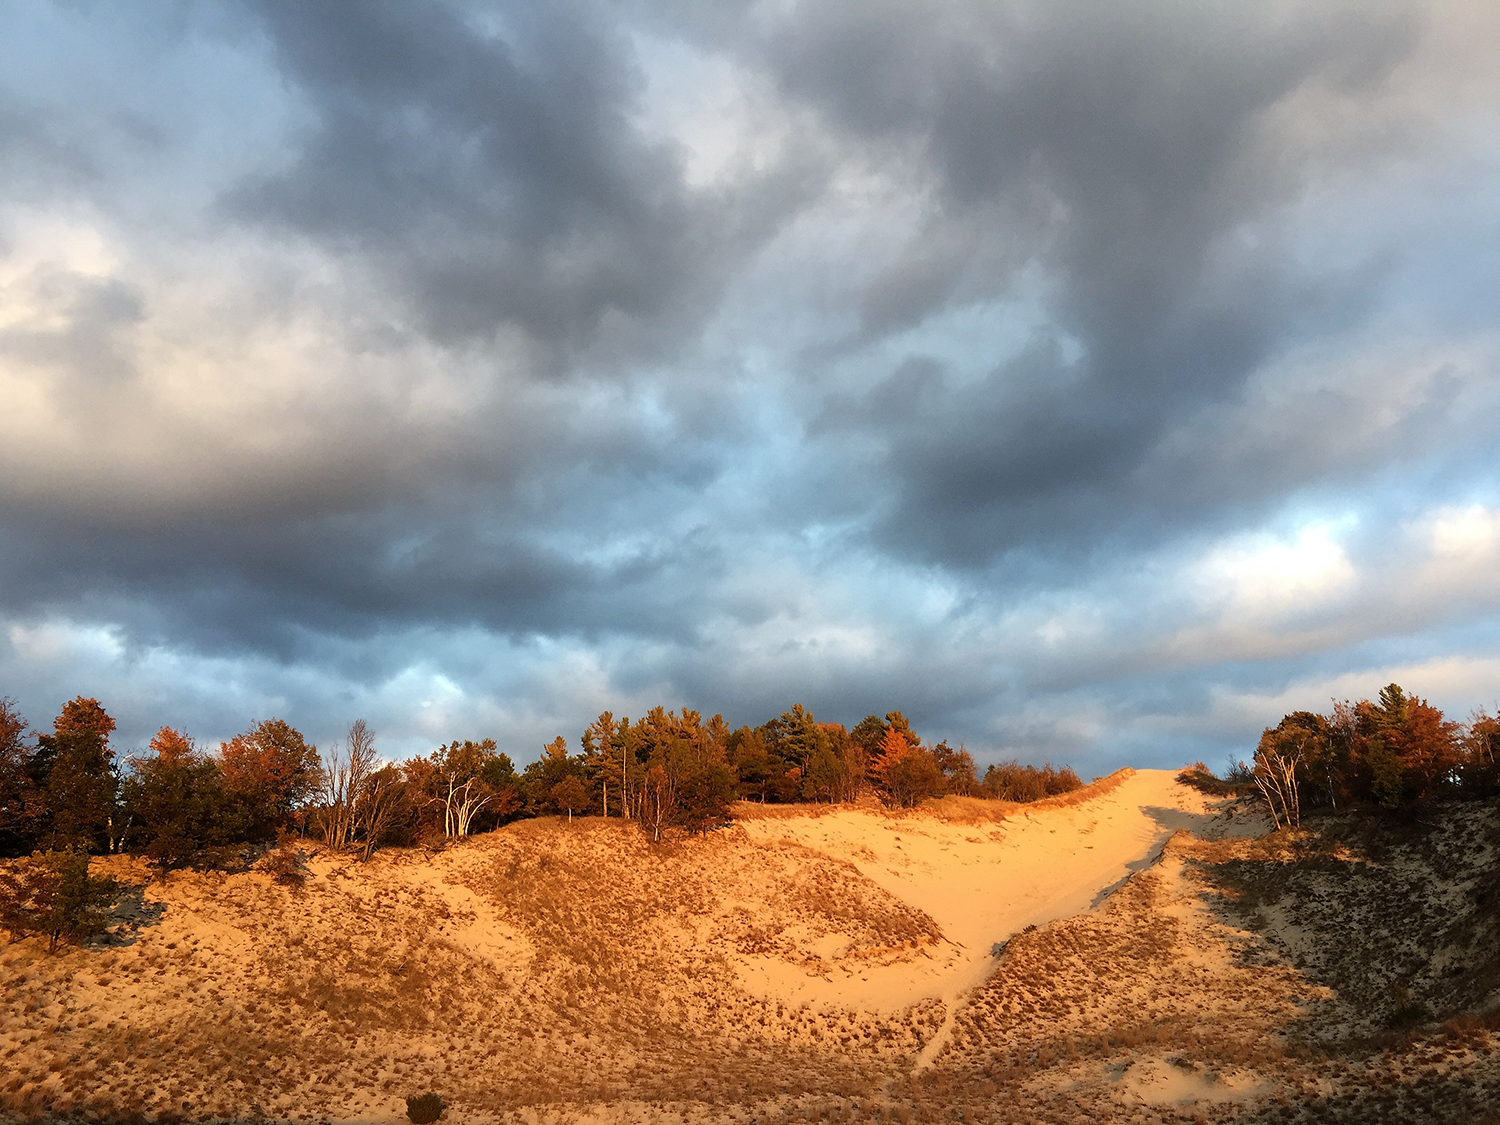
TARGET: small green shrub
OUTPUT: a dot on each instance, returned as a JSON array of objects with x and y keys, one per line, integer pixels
[{"x": 424, "y": 1108}]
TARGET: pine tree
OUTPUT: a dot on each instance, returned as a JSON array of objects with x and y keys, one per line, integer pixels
[
  {"x": 52, "y": 893},
  {"x": 80, "y": 780}
]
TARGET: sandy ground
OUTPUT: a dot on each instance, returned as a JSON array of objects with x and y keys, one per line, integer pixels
[
  {"x": 1160, "y": 959},
  {"x": 982, "y": 882}
]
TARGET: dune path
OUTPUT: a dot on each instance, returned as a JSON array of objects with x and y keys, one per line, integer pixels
[{"x": 981, "y": 881}]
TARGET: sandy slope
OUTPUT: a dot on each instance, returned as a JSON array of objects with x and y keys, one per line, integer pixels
[
  {"x": 802, "y": 965},
  {"x": 980, "y": 882}
]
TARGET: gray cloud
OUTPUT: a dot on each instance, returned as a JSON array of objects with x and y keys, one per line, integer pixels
[
  {"x": 1123, "y": 153},
  {"x": 1076, "y": 379},
  {"x": 495, "y": 168}
]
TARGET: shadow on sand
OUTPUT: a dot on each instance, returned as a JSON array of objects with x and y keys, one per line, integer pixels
[
  {"x": 130, "y": 914},
  {"x": 1229, "y": 819}
]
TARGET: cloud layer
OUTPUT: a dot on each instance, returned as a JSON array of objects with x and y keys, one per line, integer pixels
[{"x": 1089, "y": 384}]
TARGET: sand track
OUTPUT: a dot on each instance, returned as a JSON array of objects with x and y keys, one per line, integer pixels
[{"x": 982, "y": 882}]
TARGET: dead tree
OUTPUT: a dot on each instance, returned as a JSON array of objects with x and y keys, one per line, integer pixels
[
  {"x": 376, "y": 806},
  {"x": 462, "y": 803},
  {"x": 1275, "y": 773},
  {"x": 345, "y": 779}
]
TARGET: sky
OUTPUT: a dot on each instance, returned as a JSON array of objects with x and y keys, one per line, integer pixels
[{"x": 1092, "y": 383}]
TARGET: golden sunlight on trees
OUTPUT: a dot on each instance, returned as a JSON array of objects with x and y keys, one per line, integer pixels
[
  {"x": 177, "y": 805},
  {"x": 349, "y": 767},
  {"x": 571, "y": 795},
  {"x": 23, "y": 803},
  {"x": 1011, "y": 781},
  {"x": 1389, "y": 754},
  {"x": 604, "y": 762},
  {"x": 658, "y": 800},
  {"x": 80, "y": 779},
  {"x": 908, "y": 773},
  {"x": 273, "y": 770},
  {"x": 464, "y": 793},
  {"x": 377, "y": 806}
]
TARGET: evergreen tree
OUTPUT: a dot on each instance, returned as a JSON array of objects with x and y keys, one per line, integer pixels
[
  {"x": 80, "y": 782},
  {"x": 52, "y": 893},
  {"x": 704, "y": 795}
]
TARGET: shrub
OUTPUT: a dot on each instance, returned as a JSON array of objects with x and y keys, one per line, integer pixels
[
  {"x": 1011, "y": 781},
  {"x": 424, "y": 1108},
  {"x": 283, "y": 863},
  {"x": 53, "y": 894},
  {"x": 1238, "y": 778},
  {"x": 1407, "y": 1013},
  {"x": 704, "y": 796}
]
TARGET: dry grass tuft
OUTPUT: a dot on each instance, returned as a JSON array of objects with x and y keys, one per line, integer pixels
[{"x": 553, "y": 975}]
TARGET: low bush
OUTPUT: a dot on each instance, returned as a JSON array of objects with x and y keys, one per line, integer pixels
[
  {"x": 1011, "y": 781},
  {"x": 1238, "y": 779},
  {"x": 424, "y": 1108},
  {"x": 284, "y": 862}
]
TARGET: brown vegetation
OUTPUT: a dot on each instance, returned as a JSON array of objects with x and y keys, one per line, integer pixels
[
  {"x": 542, "y": 969},
  {"x": 1342, "y": 968}
]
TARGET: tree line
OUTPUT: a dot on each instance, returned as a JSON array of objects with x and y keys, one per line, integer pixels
[
  {"x": 1390, "y": 754},
  {"x": 176, "y": 802}
]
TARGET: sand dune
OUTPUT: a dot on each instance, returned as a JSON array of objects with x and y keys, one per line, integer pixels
[
  {"x": 804, "y": 964},
  {"x": 981, "y": 882}
]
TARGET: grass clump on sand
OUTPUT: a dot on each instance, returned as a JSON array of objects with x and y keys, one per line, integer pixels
[{"x": 424, "y": 1108}]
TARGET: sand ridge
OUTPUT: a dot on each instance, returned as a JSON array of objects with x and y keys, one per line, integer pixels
[{"x": 1162, "y": 960}]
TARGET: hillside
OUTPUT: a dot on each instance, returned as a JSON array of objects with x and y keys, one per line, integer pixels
[{"x": 1162, "y": 960}]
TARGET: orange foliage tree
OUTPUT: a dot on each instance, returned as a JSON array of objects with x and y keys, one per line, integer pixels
[
  {"x": 273, "y": 769},
  {"x": 905, "y": 772}
]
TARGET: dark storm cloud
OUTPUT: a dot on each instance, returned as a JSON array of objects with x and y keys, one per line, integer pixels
[
  {"x": 274, "y": 587},
  {"x": 497, "y": 171},
  {"x": 478, "y": 364},
  {"x": 1122, "y": 150}
]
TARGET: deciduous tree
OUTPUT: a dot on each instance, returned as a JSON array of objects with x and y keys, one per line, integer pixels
[
  {"x": 23, "y": 806},
  {"x": 658, "y": 801},
  {"x": 906, "y": 773},
  {"x": 175, "y": 805},
  {"x": 345, "y": 778},
  {"x": 571, "y": 795},
  {"x": 463, "y": 791},
  {"x": 274, "y": 770},
  {"x": 1278, "y": 758}
]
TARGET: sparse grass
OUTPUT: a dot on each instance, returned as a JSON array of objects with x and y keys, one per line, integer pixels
[{"x": 617, "y": 987}]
